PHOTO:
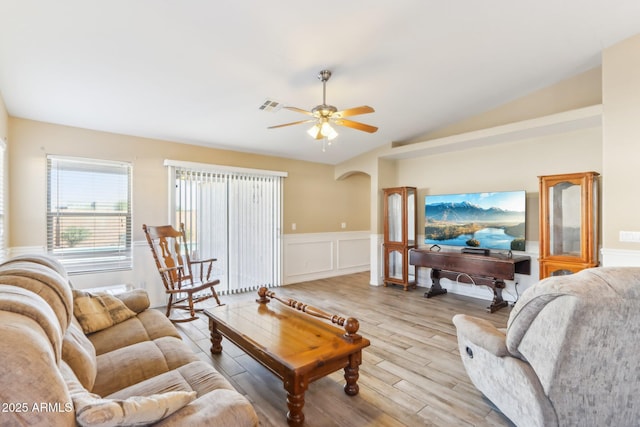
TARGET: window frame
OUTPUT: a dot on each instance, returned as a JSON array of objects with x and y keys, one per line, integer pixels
[{"x": 98, "y": 257}]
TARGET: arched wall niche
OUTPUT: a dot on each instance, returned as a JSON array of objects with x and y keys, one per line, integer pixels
[{"x": 351, "y": 173}]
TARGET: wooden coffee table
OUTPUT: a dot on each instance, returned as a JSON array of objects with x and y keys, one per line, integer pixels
[{"x": 292, "y": 340}]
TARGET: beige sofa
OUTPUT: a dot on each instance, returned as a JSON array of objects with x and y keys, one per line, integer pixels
[
  {"x": 570, "y": 355},
  {"x": 132, "y": 368}
]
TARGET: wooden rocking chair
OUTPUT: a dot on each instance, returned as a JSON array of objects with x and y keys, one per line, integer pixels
[{"x": 171, "y": 254}]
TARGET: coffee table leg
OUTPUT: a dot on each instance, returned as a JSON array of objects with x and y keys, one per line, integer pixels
[
  {"x": 295, "y": 387},
  {"x": 351, "y": 374},
  {"x": 295, "y": 403},
  {"x": 216, "y": 338}
]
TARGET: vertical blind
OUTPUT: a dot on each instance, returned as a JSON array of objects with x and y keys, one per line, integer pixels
[
  {"x": 89, "y": 213},
  {"x": 234, "y": 216}
]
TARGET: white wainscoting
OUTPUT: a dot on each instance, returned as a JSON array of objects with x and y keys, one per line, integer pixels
[
  {"x": 306, "y": 257},
  {"x": 620, "y": 258},
  {"x": 312, "y": 256}
]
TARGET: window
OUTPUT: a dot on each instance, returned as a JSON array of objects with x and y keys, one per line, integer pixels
[
  {"x": 89, "y": 214},
  {"x": 234, "y": 215}
]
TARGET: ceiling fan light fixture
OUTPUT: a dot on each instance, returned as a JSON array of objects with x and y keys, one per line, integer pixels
[
  {"x": 328, "y": 131},
  {"x": 314, "y": 131},
  {"x": 322, "y": 130}
]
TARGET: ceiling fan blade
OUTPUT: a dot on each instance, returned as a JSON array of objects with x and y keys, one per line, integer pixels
[
  {"x": 356, "y": 125},
  {"x": 292, "y": 123},
  {"x": 299, "y": 110},
  {"x": 364, "y": 109}
]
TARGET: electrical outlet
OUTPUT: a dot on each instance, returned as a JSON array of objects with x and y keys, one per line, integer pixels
[
  {"x": 293, "y": 226},
  {"x": 630, "y": 236}
]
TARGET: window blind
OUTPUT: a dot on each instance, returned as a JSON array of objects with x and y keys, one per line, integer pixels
[
  {"x": 234, "y": 216},
  {"x": 89, "y": 213}
]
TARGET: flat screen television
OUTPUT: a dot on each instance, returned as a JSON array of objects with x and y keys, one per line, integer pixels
[{"x": 480, "y": 220}]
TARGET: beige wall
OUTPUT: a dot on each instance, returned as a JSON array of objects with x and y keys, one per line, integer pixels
[
  {"x": 504, "y": 167},
  {"x": 314, "y": 199},
  {"x": 501, "y": 167},
  {"x": 621, "y": 130},
  {"x": 582, "y": 90}
]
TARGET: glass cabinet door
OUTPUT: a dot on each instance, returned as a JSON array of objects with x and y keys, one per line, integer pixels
[
  {"x": 565, "y": 219},
  {"x": 394, "y": 217},
  {"x": 411, "y": 216},
  {"x": 569, "y": 212},
  {"x": 394, "y": 258},
  {"x": 400, "y": 235}
]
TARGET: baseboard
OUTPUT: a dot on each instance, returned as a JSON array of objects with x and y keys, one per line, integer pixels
[{"x": 620, "y": 258}]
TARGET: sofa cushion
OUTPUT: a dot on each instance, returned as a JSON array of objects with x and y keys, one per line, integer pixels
[
  {"x": 42, "y": 280},
  {"x": 136, "y": 299},
  {"x": 98, "y": 311},
  {"x": 146, "y": 326},
  {"x": 218, "y": 403},
  {"x": 80, "y": 355},
  {"x": 196, "y": 376},
  {"x": 134, "y": 363},
  {"x": 29, "y": 375},
  {"x": 92, "y": 410},
  {"x": 218, "y": 408},
  {"x": 169, "y": 381},
  {"x": 26, "y": 303}
]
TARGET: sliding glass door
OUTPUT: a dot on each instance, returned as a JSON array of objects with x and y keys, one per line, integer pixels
[{"x": 234, "y": 216}]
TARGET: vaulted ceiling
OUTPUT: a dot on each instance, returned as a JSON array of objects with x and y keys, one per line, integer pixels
[{"x": 197, "y": 71}]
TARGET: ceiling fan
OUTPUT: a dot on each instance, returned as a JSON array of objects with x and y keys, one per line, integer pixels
[{"x": 324, "y": 115}]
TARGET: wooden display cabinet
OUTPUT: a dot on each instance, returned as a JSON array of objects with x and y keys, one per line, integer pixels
[
  {"x": 569, "y": 218},
  {"x": 400, "y": 231}
]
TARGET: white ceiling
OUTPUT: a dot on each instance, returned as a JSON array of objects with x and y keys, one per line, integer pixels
[{"x": 196, "y": 71}]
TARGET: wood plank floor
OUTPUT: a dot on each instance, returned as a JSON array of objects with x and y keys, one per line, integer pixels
[{"x": 411, "y": 375}]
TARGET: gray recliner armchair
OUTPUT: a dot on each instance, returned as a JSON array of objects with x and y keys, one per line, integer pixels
[{"x": 570, "y": 355}]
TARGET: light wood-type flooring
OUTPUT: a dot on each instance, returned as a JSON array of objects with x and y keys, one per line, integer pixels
[{"x": 411, "y": 375}]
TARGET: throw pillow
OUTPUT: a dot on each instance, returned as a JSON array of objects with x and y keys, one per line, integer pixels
[
  {"x": 93, "y": 411},
  {"x": 136, "y": 410},
  {"x": 99, "y": 310}
]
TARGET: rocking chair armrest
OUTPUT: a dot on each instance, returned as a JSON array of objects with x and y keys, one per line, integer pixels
[
  {"x": 167, "y": 269},
  {"x": 202, "y": 261}
]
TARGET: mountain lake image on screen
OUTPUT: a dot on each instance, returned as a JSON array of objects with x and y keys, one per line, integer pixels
[{"x": 481, "y": 220}]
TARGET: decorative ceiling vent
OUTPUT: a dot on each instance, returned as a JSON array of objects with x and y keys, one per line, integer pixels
[{"x": 271, "y": 106}]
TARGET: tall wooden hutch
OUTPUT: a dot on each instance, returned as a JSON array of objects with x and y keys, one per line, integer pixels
[
  {"x": 569, "y": 219},
  {"x": 400, "y": 235}
]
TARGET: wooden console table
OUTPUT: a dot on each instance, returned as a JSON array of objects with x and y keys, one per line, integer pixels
[
  {"x": 487, "y": 270},
  {"x": 292, "y": 341}
]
